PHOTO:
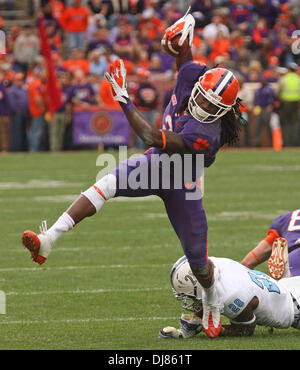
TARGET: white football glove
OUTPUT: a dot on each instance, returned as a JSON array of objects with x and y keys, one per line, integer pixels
[
  {"x": 190, "y": 325},
  {"x": 212, "y": 310},
  {"x": 117, "y": 78},
  {"x": 184, "y": 26}
]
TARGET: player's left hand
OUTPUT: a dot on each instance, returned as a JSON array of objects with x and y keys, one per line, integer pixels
[
  {"x": 184, "y": 26},
  {"x": 117, "y": 78},
  {"x": 190, "y": 325},
  {"x": 170, "y": 332}
]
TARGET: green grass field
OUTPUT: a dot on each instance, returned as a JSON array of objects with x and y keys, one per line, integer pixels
[{"x": 106, "y": 284}]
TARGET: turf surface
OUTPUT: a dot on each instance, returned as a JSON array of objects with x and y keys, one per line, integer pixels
[{"x": 106, "y": 284}]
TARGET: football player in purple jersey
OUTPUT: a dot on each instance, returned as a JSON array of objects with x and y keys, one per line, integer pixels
[
  {"x": 281, "y": 247},
  {"x": 202, "y": 116}
]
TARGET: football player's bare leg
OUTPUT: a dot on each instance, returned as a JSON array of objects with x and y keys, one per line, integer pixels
[
  {"x": 86, "y": 205},
  {"x": 204, "y": 274},
  {"x": 81, "y": 209}
]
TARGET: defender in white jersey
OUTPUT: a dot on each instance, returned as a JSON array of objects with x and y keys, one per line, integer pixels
[{"x": 248, "y": 298}]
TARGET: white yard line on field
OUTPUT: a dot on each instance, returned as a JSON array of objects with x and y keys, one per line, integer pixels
[
  {"x": 226, "y": 215},
  {"x": 37, "y": 184},
  {"x": 242, "y": 215},
  {"x": 91, "y": 291},
  {"x": 275, "y": 168},
  {"x": 16, "y": 269},
  {"x": 72, "y": 197},
  {"x": 87, "y": 320},
  {"x": 17, "y": 249}
]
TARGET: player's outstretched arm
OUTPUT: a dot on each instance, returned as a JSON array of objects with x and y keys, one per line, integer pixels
[
  {"x": 178, "y": 39},
  {"x": 235, "y": 330},
  {"x": 257, "y": 255},
  {"x": 151, "y": 135},
  {"x": 147, "y": 131}
]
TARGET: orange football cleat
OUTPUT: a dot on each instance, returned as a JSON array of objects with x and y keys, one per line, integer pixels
[
  {"x": 38, "y": 245},
  {"x": 277, "y": 263}
]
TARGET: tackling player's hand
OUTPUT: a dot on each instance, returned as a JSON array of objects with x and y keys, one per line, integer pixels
[
  {"x": 170, "y": 332},
  {"x": 116, "y": 76},
  {"x": 184, "y": 26},
  {"x": 190, "y": 325}
]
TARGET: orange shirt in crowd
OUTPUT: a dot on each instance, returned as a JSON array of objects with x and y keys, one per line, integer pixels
[
  {"x": 197, "y": 43},
  {"x": 36, "y": 90},
  {"x": 56, "y": 42},
  {"x": 154, "y": 26},
  {"x": 75, "y": 19},
  {"x": 201, "y": 59},
  {"x": 72, "y": 65},
  {"x": 57, "y": 7},
  {"x": 219, "y": 47},
  {"x": 197, "y": 50},
  {"x": 145, "y": 64}
]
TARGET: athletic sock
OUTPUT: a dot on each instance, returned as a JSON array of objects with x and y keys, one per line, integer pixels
[
  {"x": 211, "y": 294},
  {"x": 62, "y": 225}
]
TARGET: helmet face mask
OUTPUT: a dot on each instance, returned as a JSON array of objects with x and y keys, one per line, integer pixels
[
  {"x": 215, "y": 104},
  {"x": 201, "y": 114},
  {"x": 185, "y": 286},
  {"x": 189, "y": 303}
]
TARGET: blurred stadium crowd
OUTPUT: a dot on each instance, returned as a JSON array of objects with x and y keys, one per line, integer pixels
[{"x": 257, "y": 39}]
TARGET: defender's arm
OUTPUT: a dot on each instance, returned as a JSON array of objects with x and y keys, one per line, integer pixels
[
  {"x": 244, "y": 324},
  {"x": 258, "y": 255}
]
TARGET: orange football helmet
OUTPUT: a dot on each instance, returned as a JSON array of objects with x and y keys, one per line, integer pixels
[{"x": 220, "y": 87}]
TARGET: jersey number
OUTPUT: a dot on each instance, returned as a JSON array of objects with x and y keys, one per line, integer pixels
[
  {"x": 263, "y": 280},
  {"x": 168, "y": 125},
  {"x": 294, "y": 218},
  {"x": 238, "y": 304}
]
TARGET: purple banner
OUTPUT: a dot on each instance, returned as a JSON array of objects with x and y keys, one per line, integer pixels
[{"x": 93, "y": 127}]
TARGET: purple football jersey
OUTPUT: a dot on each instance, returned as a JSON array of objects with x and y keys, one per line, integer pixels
[
  {"x": 200, "y": 138},
  {"x": 188, "y": 75},
  {"x": 288, "y": 226},
  {"x": 186, "y": 215}
]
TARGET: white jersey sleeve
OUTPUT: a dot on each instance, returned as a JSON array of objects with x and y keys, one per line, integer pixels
[{"x": 237, "y": 285}]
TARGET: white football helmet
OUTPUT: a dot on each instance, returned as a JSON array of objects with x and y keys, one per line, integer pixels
[{"x": 185, "y": 286}]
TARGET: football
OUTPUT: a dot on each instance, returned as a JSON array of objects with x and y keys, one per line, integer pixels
[{"x": 172, "y": 47}]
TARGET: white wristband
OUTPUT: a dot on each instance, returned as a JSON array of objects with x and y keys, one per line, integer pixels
[{"x": 244, "y": 323}]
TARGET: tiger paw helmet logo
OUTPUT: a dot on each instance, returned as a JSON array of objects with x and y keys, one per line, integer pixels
[
  {"x": 101, "y": 123},
  {"x": 214, "y": 95}
]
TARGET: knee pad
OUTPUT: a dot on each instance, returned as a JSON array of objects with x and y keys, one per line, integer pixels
[
  {"x": 104, "y": 189},
  {"x": 107, "y": 185}
]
